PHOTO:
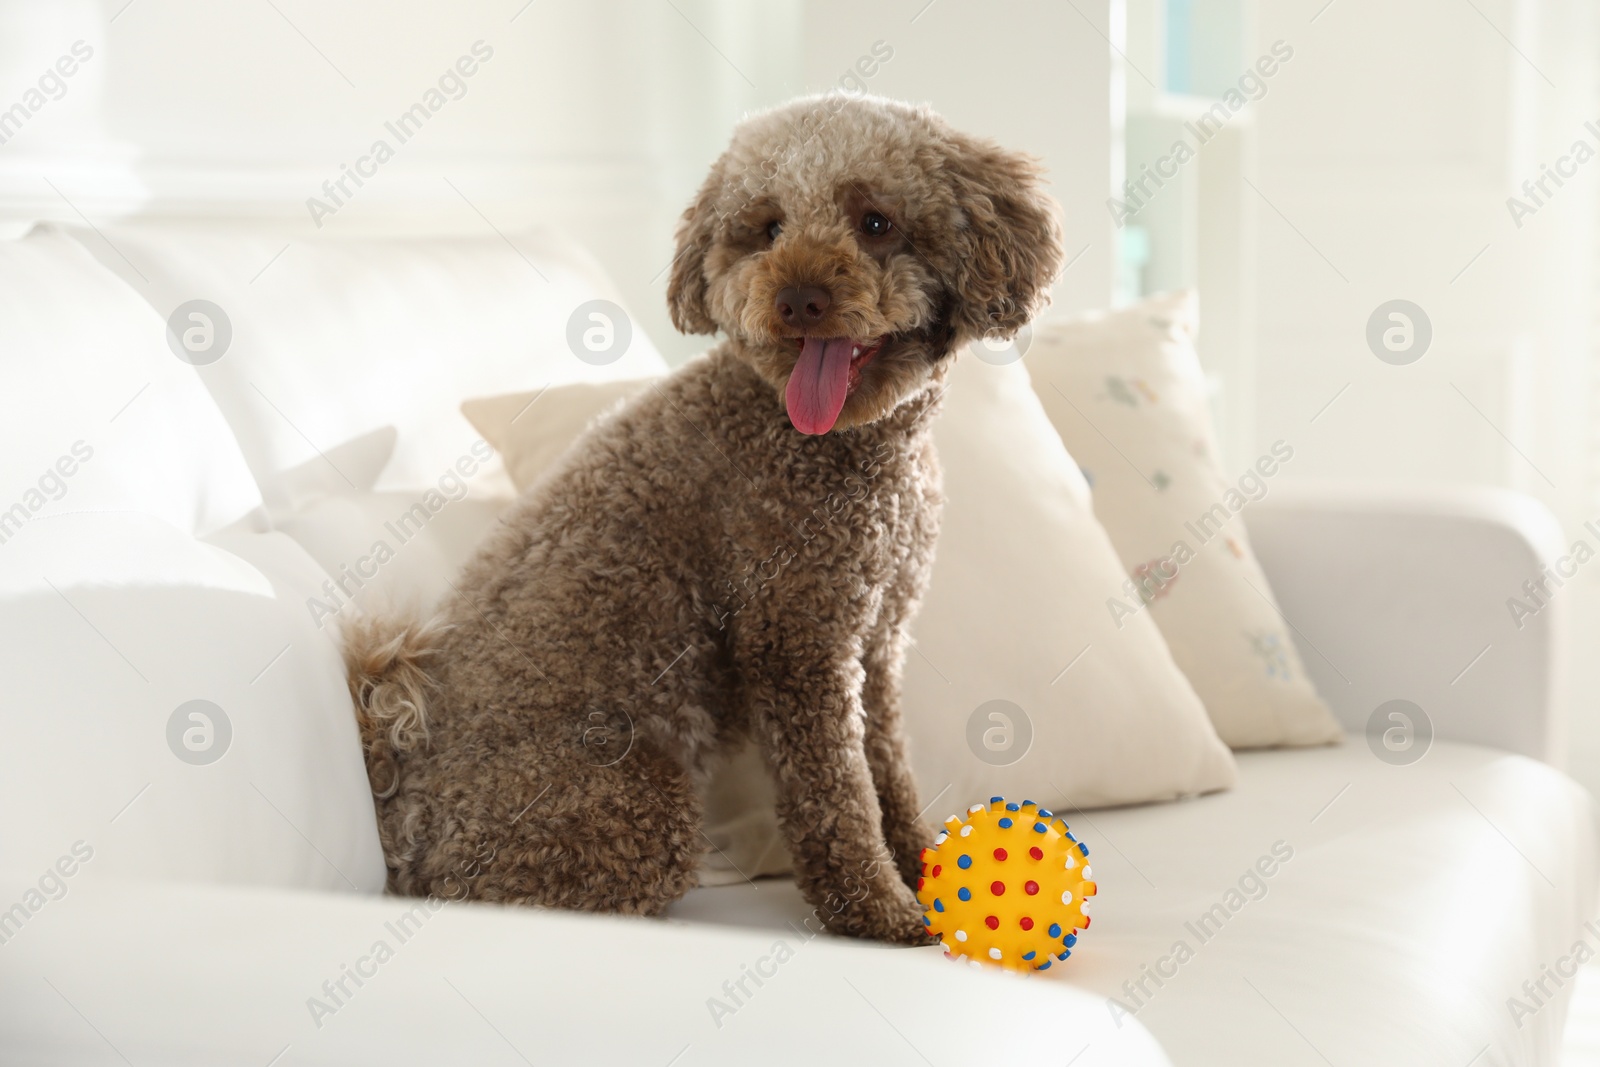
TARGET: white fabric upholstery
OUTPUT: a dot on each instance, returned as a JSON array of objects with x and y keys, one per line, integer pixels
[
  {"x": 1126, "y": 391},
  {"x": 348, "y": 362},
  {"x": 113, "y": 615},
  {"x": 1417, "y": 900},
  {"x": 187, "y": 977}
]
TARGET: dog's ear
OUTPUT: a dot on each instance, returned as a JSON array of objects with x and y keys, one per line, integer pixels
[
  {"x": 1008, "y": 239},
  {"x": 686, "y": 286}
]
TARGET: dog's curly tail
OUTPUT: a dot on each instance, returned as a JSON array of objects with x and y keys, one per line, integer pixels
[{"x": 386, "y": 660}]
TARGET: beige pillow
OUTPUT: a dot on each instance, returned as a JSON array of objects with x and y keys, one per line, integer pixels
[
  {"x": 1126, "y": 392},
  {"x": 1019, "y": 683}
]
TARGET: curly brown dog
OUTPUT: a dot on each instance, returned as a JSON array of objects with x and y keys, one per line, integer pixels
[{"x": 737, "y": 553}]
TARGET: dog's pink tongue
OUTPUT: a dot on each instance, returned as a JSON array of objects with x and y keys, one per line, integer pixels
[{"x": 819, "y": 384}]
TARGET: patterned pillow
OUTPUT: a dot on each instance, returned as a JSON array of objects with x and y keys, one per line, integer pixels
[{"x": 1127, "y": 395}]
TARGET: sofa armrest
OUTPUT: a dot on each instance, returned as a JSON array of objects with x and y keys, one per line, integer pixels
[{"x": 1406, "y": 593}]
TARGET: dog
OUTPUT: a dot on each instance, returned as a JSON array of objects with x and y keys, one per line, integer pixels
[{"x": 736, "y": 555}]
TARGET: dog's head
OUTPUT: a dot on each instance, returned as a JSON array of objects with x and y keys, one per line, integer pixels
[{"x": 848, "y": 245}]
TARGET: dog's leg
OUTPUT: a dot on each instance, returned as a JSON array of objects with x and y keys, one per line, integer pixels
[
  {"x": 903, "y": 828},
  {"x": 807, "y": 713}
]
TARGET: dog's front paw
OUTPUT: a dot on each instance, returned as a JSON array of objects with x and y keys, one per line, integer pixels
[{"x": 890, "y": 914}]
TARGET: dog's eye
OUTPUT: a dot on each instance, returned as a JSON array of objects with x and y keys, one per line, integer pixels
[
  {"x": 874, "y": 224},
  {"x": 773, "y": 229}
]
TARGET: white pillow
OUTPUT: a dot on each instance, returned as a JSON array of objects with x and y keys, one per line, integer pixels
[
  {"x": 95, "y": 413},
  {"x": 1019, "y": 683},
  {"x": 348, "y": 361},
  {"x": 1126, "y": 392},
  {"x": 114, "y": 616}
]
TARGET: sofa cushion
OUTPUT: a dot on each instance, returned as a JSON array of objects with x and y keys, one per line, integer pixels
[
  {"x": 1332, "y": 907},
  {"x": 96, "y": 414},
  {"x": 1126, "y": 391},
  {"x": 370, "y": 345},
  {"x": 170, "y": 709},
  {"x": 186, "y": 976}
]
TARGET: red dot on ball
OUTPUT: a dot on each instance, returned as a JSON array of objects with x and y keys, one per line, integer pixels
[
  {"x": 992, "y": 922},
  {"x": 919, "y": 883},
  {"x": 1036, "y": 852},
  {"x": 936, "y": 869},
  {"x": 1027, "y": 923},
  {"x": 997, "y": 888},
  {"x": 999, "y": 853},
  {"x": 1031, "y": 888}
]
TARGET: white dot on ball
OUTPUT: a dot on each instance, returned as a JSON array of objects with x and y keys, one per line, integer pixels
[
  {"x": 1072, "y": 861},
  {"x": 994, "y": 954},
  {"x": 1088, "y": 873},
  {"x": 961, "y": 935},
  {"x": 974, "y": 809},
  {"x": 966, "y": 831},
  {"x": 1066, "y": 898},
  {"x": 1084, "y": 907}
]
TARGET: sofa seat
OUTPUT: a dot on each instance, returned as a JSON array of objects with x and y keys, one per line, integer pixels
[
  {"x": 1413, "y": 902},
  {"x": 185, "y": 975}
]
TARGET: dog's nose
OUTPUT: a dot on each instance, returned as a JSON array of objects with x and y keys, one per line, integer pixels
[{"x": 802, "y": 305}]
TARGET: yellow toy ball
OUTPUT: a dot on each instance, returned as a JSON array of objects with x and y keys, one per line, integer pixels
[{"x": 1007, "y": 885}]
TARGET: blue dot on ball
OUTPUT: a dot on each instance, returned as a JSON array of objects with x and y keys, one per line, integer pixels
[
  {"x": 1070, "y": 940},
  {"x": 1083, "y": 848},
  {"x": 938, "y": 905},
  {"x": 996, "y": 800},
  {"x": 1005, "y": 824},
  {"x": 964, "y": 893},
  {"x": 1029, "y": 955},
  {"x": 1046, "y": 813},
  {"x": 964, "y": 862},
  {"x": 1055, "y": 929},
  {"x": 1045, "y": 966},
  {"x": 1012, "y": 807},
  {"x": 1039, "y": 827}
]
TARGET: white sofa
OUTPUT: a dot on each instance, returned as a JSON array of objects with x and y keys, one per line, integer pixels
[{"x": 1335, "y": 907}]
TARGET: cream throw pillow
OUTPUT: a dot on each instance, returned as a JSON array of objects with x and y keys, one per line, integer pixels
[
  {"x": 1019, "y": 683},
  {"x": 1127, "y": 395}
]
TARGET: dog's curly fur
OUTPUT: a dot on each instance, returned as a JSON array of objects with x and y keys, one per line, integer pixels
[{"x": 696, "y": 571}]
